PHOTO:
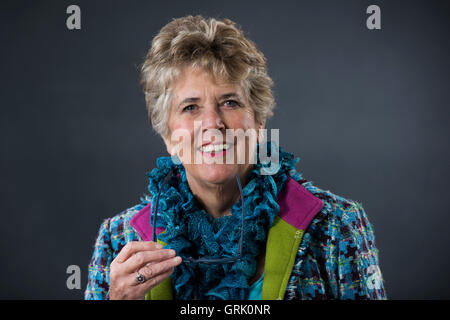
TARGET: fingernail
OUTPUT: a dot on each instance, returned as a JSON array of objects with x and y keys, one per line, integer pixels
[
  {"x": 172, "y": 252},
  {"x": 159, "y": 246},
  {"x": 177, "y": 259}
]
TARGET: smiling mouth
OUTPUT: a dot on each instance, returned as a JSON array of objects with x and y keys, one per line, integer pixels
[{"x": 214, "y": 148}]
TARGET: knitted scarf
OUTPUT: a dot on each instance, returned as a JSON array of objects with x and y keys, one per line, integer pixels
[{"x": 192, "y": 232}]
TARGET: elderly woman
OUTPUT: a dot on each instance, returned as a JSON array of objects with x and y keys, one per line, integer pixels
[{"x": 219, "y": 223}]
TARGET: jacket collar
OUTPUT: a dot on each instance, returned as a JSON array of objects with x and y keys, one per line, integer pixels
[{"x": 297, "y": 207}]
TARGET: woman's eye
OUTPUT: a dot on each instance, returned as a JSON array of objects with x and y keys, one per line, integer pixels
[
  {"x": 189, "y": 108},
  {"x": 232, "y": 103}
]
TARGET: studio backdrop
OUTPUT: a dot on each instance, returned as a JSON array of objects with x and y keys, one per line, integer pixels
[{"x": 362, "y": 100}]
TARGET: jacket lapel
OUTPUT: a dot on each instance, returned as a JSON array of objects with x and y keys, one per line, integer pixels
[
  {"x": 282, "y": 245},
  {"x": 297, "y": 208}
]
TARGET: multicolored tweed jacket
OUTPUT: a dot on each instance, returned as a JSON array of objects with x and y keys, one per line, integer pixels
[{"x": 336, "y": 259}]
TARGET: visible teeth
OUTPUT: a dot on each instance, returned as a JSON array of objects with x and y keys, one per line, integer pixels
[{"x": 215, "y": 147}]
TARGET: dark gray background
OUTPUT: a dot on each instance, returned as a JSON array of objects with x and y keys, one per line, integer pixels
[{"x": 366, "y": 111}]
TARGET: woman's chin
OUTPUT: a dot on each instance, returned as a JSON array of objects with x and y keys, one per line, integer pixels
[{"x": 216, "y": 173}]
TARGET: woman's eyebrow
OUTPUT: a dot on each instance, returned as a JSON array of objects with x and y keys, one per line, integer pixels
[
  {"x": 231, "y": 95},
  {"x": 222, "y": 97},
  {"x": 188, "y": 100}
]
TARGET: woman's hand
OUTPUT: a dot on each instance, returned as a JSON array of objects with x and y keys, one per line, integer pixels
[{"x": 146, "y": 258}]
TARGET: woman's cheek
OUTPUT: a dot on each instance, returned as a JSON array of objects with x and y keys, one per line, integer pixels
[
  {"x": 182, "y": 138},
  {"x": 245, "y": 120}
]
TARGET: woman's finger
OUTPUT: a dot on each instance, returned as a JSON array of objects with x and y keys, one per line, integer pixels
[
  {"x": 152, "y": 282},
  {"x": 133, "y": 247},
  {"x": 141, "y": 258},
  {"x": 152, "y": 270}
]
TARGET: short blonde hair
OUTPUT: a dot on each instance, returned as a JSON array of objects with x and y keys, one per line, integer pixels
[{"x": 219, "y": 47}]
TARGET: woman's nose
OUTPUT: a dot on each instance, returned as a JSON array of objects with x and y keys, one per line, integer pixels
[{"x": 212, "y": 119}]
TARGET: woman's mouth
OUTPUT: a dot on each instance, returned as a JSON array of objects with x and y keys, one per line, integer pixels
[{"x": 213, "y": 150}]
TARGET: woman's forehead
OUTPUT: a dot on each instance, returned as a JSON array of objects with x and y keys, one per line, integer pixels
[
  {"x": 194, "y": 86},
  {"x": 198, "y": 77}
]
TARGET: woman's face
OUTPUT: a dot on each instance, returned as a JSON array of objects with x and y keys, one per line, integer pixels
[{"x": 201, "y": 112}]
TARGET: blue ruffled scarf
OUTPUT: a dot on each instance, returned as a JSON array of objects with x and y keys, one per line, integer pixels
[{"x": 192, "y": 232}]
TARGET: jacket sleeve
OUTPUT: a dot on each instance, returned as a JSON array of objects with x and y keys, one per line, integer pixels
[
  {"x": 98, "y": 277},
  {"x": 359, "y": 272}
]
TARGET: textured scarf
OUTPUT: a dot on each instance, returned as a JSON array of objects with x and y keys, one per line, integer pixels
[{"x": 192, "y": 232}]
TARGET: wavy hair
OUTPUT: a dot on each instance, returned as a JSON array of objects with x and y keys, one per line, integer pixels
[{"x": 219, "y": 47}]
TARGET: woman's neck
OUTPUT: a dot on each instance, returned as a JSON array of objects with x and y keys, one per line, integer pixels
[{"x": 217, "y": 199}]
